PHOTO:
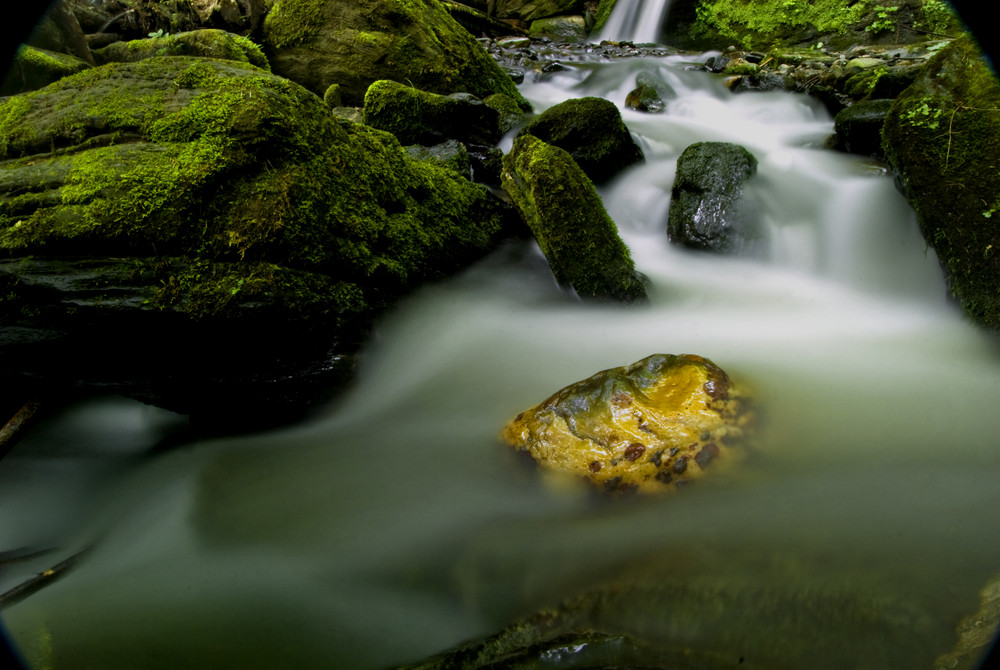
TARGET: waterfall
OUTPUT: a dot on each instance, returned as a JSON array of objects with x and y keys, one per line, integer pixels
[{"x": 636, "y": 21}]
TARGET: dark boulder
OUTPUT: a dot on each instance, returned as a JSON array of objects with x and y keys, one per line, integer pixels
[{"x": 708, "y": 210}]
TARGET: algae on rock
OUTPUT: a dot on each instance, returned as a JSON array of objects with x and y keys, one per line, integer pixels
[
  {"x": 650, "y": 426},
  {"x": 942, "y": 138},
  {"x": 565, "y": 213},
  {"x": 237, "y": 194},
  {"x": 592, "y": 131},
  {"x": 353, "y": 44}
]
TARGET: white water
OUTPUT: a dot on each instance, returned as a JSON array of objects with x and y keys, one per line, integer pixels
[
  {"x": 397, "y": 526},
  {"x": 636, "y": 21}
]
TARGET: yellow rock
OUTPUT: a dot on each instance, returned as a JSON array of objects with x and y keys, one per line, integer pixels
[{"x": 651, "y": 426}]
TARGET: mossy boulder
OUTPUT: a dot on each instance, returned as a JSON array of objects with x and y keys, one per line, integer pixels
[
  {"x": 419, "y": 117},
  {"x": 661, "y": 422},
  {"x": 317, "y": 43},
  {"x": 529, "y": 10},
  {"x": 942, "y": 138},
  {"x": 708, "y": 210},
  {"x": 592, "y": 131},
  {"x": 560, "y": 28},
  {"x": 206, "y": 43},
  {"x": 209, "y": 206},
  {"x": 565, "y": 213},
  {"x": 34, "y": 68}
]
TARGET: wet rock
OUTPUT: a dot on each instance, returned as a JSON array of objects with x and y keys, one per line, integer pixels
[
  {"x": 650, "y": 94},
  {"x": 419, "y": 117},
  {"x": 592, "y": 131},
  {"x": 565, "y": 214},
  {"x": 708, "y": 210},
  {"x": 859, "y": 127},
  {"x": 976, "y": 633},
  {"x": 649, "y": 426}
]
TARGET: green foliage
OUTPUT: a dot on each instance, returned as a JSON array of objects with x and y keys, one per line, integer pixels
[
  {"x": 936, "y": 16},
  {"x": 884, "y": 21},
  {"x": 768, "y": 22},
  {"x": 923, "y": 115}
]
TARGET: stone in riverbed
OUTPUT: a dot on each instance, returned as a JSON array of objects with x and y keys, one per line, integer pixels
[
  {"x": 708, "y": 210},
  {"x": 649, "y": 426}
]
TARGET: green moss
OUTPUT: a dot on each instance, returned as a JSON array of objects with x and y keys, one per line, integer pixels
[
  {"x": 604, "y": 10},
  {"x": 569, "y": 222},
  {"x": 206, "y": 43},
  {"x": 762, "y": 23},
  {"x": 942, "y": 136},
  {"x": 293, "y": 22}
]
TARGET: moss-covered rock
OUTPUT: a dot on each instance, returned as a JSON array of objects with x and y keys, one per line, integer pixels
[
  {"x": 708, "y": 210},
  {"x": 238, "y": 194},
  {"x": 603, "y": 13},
  {"x": 650, "y": 426},
  {"x": 529, "y": 10},
  {"x": 942, "y": 138},
  {"x": 568, "y": 219},
  {"x": 419, "y": 117},
  {"x": 35, "y": 68},
  {"x": 560, "y": 28},
  {"x": 592, "y": 131},
  {"x": 757, "y": 24},
  {"x": 317, "y": 43},
  {"x": 206, "y": 43}
]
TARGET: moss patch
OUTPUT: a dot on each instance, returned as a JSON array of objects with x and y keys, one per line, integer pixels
[{"x": 942, "y": 137}]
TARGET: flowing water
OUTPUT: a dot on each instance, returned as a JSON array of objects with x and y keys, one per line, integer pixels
[
  {"x": 636, "y": 21},
  {"x": 395, "y": 525}
]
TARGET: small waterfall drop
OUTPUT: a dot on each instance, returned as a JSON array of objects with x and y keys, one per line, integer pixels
[{"x": 636, "y": 21}]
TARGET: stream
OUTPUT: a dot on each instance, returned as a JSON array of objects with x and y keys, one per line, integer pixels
[{"x": 395, "y": 525}]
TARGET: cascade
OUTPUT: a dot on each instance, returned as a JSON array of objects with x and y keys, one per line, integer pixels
[
  {"x": 636, "y": 21},
  {"x": 396, "y": 526}
]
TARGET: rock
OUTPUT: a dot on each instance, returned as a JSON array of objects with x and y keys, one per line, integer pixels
[
  {"x": 508, "y": 113},
  {"x": 355, "y": 44},
  {"x": 204, "y": 43},
  {"x": 451, "y": 154},
  {"x": 941, "y": 137},
  {"x": 707, "y": 207},
  {"x": 650, "y": 95},
  {"x": 419, "y": 117},
  {"x": 859, "y": 127},
  {"x": 199, "y": 233},
  {"x": 35, "y": 68},
  {"x": 650, "y": 426},
  {"x": 976, "y": 633},
  {"x": 592, "y": 131},
  {"x": 514, "y": 43},
  {"x": 568, "y": 219},
  {"x": 529, "y": 10},
  {"x": 59, "y": 31},
  {"x": 560, "y": 28}
]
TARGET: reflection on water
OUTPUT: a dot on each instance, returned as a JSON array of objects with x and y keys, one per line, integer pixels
[{"x": 396, "y": 526}]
